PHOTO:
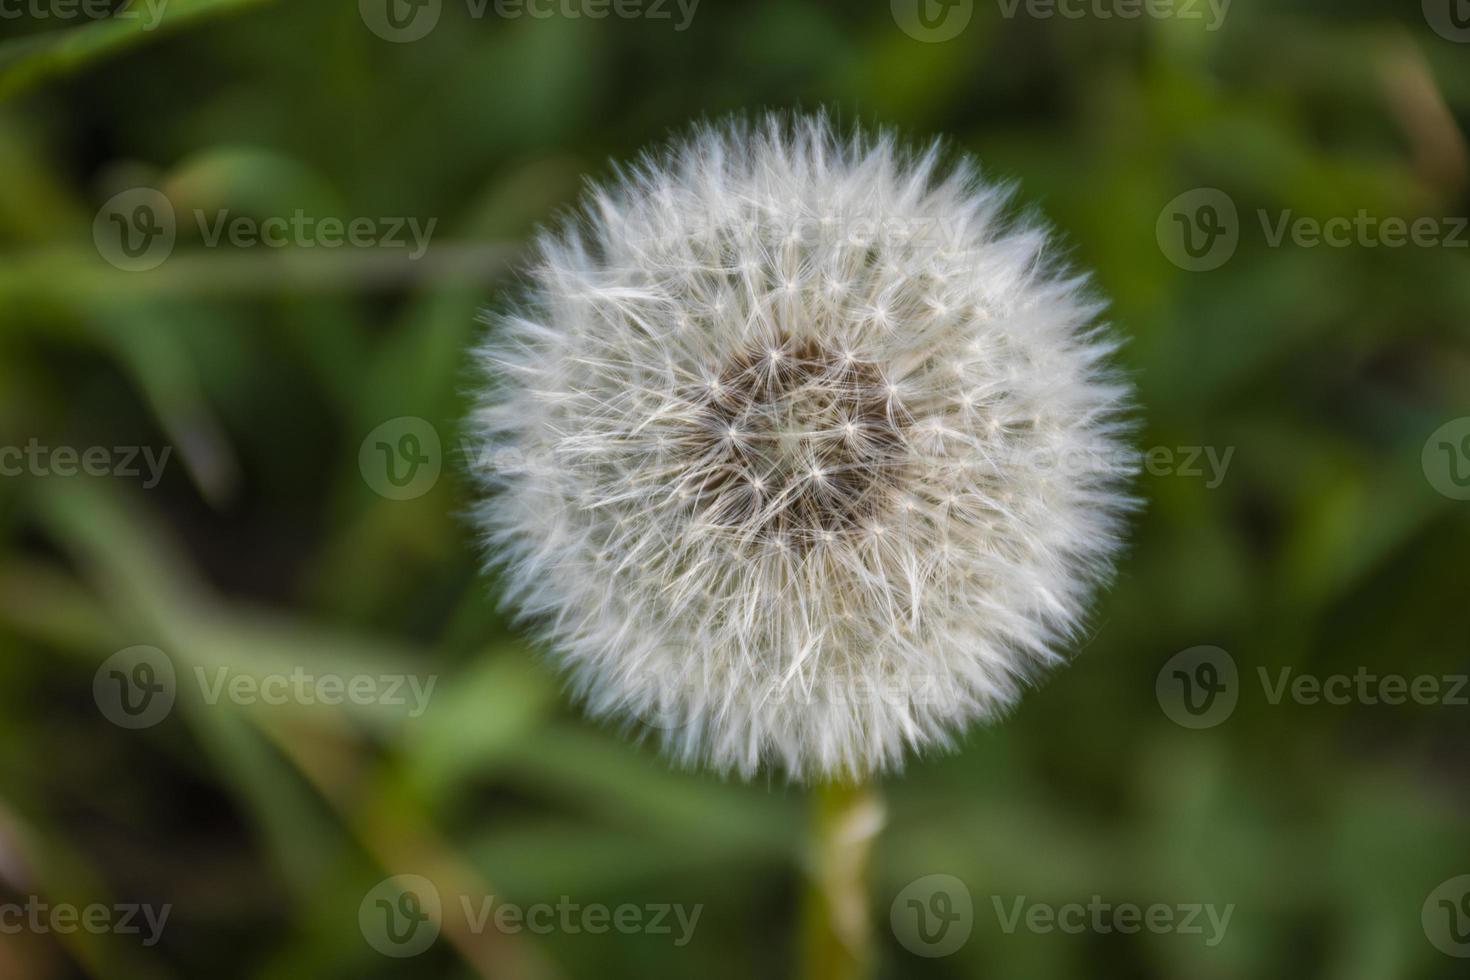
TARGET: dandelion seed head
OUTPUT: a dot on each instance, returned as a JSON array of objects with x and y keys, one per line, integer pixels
[{"x": 795, "y": 387}]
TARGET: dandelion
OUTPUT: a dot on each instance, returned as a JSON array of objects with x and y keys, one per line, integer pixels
[{"x": 788, "y": 414}]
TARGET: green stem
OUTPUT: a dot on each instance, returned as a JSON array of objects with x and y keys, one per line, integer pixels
[{"x": 836, "y": 928}]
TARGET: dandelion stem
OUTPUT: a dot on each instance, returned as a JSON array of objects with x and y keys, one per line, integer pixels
[{"x": 837, "y": 930}]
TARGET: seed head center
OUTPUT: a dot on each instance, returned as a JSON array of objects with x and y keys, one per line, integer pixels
[{"x": 795, "y": 442}]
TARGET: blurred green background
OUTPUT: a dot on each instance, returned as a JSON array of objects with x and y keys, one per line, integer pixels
[{"x": 274, "y": 541}]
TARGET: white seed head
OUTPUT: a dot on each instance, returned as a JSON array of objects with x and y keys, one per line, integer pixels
[{"x": 819, "y": 455}]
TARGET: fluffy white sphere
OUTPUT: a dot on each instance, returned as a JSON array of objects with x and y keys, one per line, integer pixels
[{"x": 799, "y": 450}]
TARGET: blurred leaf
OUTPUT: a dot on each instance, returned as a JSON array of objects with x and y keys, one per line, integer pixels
[{"x": 28, "y": 60}]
